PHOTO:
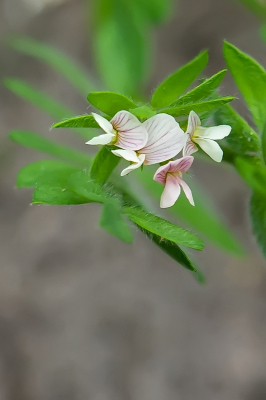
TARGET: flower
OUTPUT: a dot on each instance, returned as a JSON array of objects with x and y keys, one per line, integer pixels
[
  {"x": 170, "y": 175},
  {"x": 124, "y": 130},
  {"x": 204, "y": 137},
  {"x": 165, "y": 140}
]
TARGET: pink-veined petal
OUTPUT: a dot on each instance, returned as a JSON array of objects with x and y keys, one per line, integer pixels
[
  {"x": 189, "y": 148},
  {"x": 103, "y": 123},
  {"x": 215, "y": 132},
  {"x": 166, "y": 139},
  {"x": 171, "y": 191},
  {"x": 193, "y": 123},
  {"x": 211, "y": 148},
  {"x": 128, "y": 155},
  {"x": 187, "y": 192},
  {"x": 181, "y": 165},
  {"x": 161, "y": 172},
  {"x": 131, "y": 134},
  {"x": 106, "y": 138},
  {"x": 134, "y": 165}
]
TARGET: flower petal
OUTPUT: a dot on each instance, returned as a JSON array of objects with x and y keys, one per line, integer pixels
[
  {"x": 103, "y": 123},
  {"x": 215, "y": 132},
  {"x": 106, "y": 138},
  {"x": 211, "y": 148},
  {"x": 193, "y": 123},
  {"x": 166, "y": 139},
  {"x": 189, "y": 148},
  {"x": 160, "y": 174},
  {"x": 134, "y": 165},
  {"x": 181, "y": 165},
  {"x": 131, "y": 134},
  {"x": 171, "y": 191},
  {"x": 187, "y": 192},
  {"x": 129, "y": 155}
]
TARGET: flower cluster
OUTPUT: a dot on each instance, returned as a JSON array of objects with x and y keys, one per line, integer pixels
[{"x": 158, "y": 140}]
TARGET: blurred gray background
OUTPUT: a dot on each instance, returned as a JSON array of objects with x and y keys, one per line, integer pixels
[{"x": 84, "y": 316}]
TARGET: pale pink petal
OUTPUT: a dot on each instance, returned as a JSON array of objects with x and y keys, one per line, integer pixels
[
  {"x": 128, "y": 155},
  {"x": 166, "y": 139},
  {"x": 193, "y": 123},
  {"x": 187, "y": 192},
  {"x": 103, "y": 123},
  {"x": 211, "y": 148},
  {"x": 134, "y": 165},
  {"x": 171, "y": 191},
  {"x": 181, "y": 165},
  {"x": 189, "y": 148},
  {"x": 215, "y": 132},
  {"x": 131, "y": 134},
  {"x": 106, "y": 138},
  {"x": 161, "y": 172}
]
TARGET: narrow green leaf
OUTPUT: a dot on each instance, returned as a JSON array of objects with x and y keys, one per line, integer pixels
[
  {"x": 263, "y": 143},
  {"x": 110, "y": 103},
  {"x": 39, "y": 143},
  {"x": 250, "y": 77},
  {"x": 202, "y": 217},
  {"x": 254, "y": 175},
  {"x": 103, "y": 165},
  {"x": 258, "y": 217},
  {"x": 37, "y": 98},
  {"x": 42, "y": 101},
  {"x": 257, "y": 6},
  {"x": 170, "y": 248},
  {"x": 113, "y": 222},
  {"x": 44, "y": 171},
  {"x": 58, "y": 195},
  {"x": 243, "y": 141},
  {"x": 200, "y": 107},
  {"x": 155, "y": 10},
  {"x": 143, "y": 112},
  {"x": 82, "y": 184},
  {"x": 179, "y": 81},
  {"x": 199, "y": 93},
  {"x": 83, "y": 121},
  {"x": 163, "y": 228},
  {"x": 57, "y": 60}
]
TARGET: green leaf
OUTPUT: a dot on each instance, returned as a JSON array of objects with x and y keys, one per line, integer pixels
[
  {"x": 257, "y": 6},
  {"x": 170, "y": 248},
  {"x": 44, "y": 171},
  {"x": 205, "y": 89},
  {"x": 121, "y": 44},
  {"x": 83, "y": 121},
  {"x": 250, "y": 77},
  {"x": 202, "y": 217},
  {"x": 179, "y": 81},
  {"x": 155, "y": 10},
  {"x": 103, "y": 165},
  {"x": 263, "y": 143},
  {"x": 113, "y": 222},
  {"x": 243, "y": 141},
  {"x": 82, "y": 184},
  {"x": 39, "y": 143},
  {"x": 37, "y": 98},
  {"x": 258, "y": 217},
  {"x": 200, "y": 107},
  {"x": 42, "y": 101},
  {"x": 110, "y": 103},
  {"x": 58, "y": 195},
  {"x": 143, "y": 112},
  {"x": 163, "y": 228},
  {"x": 57, "y": 60},
  {"x": 253, "y": 175}
]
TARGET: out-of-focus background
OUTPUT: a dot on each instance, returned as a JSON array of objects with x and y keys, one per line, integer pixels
[{"x": 84, "y": 316}]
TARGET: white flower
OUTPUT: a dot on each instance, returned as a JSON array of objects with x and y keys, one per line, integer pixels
[
  {"x": 204, "y": 137},
  {"x": 124, "y": 130},
  {"x": 165, "y": 140}
]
